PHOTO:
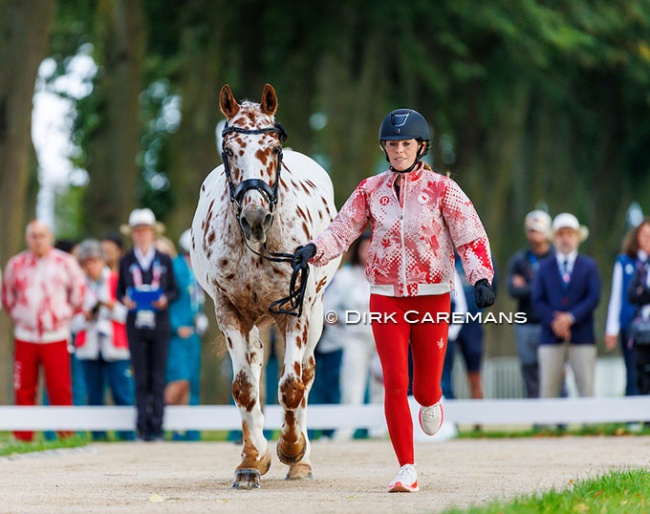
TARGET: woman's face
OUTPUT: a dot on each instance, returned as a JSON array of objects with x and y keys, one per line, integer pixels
[
  {"x": 401, "y": 154},
  {"x": 143, "y": 236},
  {"x": 93, "y": 267},
  {"x": 643, "y": 238}
]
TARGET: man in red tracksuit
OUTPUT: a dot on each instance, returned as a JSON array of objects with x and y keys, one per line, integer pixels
[
  {"x": 43, "y": 289},
  {"x": 418, "y": 217}
]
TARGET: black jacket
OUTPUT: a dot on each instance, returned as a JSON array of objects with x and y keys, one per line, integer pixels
[
  {"x": 167, "y": 284},
  {"x": 525, "y": 263}
]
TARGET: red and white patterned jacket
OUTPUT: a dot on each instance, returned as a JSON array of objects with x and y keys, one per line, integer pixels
[
  {"x": 42, "y": 295},
  {"x": 411, "y": 252}
]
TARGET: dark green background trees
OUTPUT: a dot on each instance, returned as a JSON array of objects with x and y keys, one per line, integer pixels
[{"x": 532, "y": 103}]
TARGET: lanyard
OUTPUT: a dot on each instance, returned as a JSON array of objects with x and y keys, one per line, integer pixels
[{"x": 137, "y": 274}]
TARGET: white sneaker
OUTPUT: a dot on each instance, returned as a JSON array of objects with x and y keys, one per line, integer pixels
[
  {"x": 406, "y": 480},
  {"x": 431, "y": 418}
]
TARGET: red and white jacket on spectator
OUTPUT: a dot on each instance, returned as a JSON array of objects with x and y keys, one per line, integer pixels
[
  {"x": 42, "y": 295},
  {"x": 105, "y": 334},
  {"x": 411, "y": 252}
]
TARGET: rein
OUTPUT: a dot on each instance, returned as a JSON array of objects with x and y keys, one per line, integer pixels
[{"x": 296, "y": 294}]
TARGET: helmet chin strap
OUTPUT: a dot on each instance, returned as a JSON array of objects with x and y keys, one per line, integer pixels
[{"x": 415, "y": 163}]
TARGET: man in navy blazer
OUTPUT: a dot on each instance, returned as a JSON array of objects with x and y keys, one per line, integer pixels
[{"x": 566, "y": 292}]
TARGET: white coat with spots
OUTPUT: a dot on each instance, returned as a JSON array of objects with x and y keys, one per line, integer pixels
[{"x": 243, "y": 284}]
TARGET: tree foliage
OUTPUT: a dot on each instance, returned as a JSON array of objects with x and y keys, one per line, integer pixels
[{"x": 532, "y": 102}]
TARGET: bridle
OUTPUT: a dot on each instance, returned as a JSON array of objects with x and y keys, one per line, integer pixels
[
  {"x": 271, "y": 193},
  {"x": 296, "y": 294}
]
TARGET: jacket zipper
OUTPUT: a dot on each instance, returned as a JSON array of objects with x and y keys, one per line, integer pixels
[{"x": 401, "y": 229}]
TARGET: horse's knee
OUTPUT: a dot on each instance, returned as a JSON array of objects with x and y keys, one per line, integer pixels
[
  {"x": 243, "y": 392},
  {"x": 292, "y": 390},
  {"x": 308, "y": 372}
]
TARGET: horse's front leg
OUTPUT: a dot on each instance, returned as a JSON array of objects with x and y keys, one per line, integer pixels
[
  {"x": 247, "y": 355},
  {"x": 293, "y": 441},
  {"x": 301, "y": 470}
]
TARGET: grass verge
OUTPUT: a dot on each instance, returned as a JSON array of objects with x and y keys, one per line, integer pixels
[
  {"x": 618, "y": 491},
  {"x": 10, "y": 446}
]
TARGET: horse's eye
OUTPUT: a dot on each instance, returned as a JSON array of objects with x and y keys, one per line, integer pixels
[
  {"x": 228, "y": 152},
  {"x": 277, "y": 150}
]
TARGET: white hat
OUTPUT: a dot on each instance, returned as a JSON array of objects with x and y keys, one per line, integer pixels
[
  {"x": 185, "y": 241},
  {"x": 539, "y": 221},
  {"x": 142, "y": 217},
  {"x": 567, "y": 220}
]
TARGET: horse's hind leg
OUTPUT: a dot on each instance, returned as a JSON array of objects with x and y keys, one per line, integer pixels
[{"x": 247, "y": 356}]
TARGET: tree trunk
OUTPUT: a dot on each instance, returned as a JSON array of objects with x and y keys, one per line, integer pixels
[
  {"x": 194, "y": 146},
  {"x": 25, "y": 28},
  {"x": 114, "y": 147}
]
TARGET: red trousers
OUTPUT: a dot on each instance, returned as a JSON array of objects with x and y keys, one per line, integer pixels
[
  {"x": 411, "y": 319},
  {"x": 55, "y": 359}
]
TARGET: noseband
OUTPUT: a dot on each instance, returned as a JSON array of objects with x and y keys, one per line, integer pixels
[
  {"x": 296, "y": 291},
  {"x": 270, "y": 193}
]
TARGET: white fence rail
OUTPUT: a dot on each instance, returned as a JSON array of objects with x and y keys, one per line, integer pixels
[{"x": 226, "y": 417}]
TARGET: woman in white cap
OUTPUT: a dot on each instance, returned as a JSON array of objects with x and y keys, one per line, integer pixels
[
  {"x": 146, "y": 286},
  {"x": 566, "y": 293},
  {"x": 188, "y": 323}
]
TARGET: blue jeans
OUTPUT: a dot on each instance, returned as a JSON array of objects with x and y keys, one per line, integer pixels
[
  {"x": 527, "y": 336},
  {"x": 327, "y": 387},
  {"x": 117, "y": 375},
  {"x": 446, "y": 381},
  {"x": 631, "y": 372}
]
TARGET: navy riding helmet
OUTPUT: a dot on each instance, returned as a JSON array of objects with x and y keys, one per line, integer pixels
[{"x": 404, "y": 124}]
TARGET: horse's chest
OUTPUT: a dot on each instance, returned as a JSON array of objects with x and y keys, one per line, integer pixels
[{"x": 250, "y": 280}]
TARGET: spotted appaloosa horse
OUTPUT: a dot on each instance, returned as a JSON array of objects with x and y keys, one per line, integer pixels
[{"x": 273, "y": 202}]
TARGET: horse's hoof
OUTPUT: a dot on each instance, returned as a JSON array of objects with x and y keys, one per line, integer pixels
[
  {"x": 300, "y": 471},
  {"x": 265, "y": 463},
  {"x": 297, "y": 450},
  {"x": 246, "y": 479}
]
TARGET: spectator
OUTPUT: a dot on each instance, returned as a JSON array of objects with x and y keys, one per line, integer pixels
[
  {"x": 113, "y": 250},
  {"x": 146, "y": 286},
  {"x": 522, "y": 268},
  {"x": 326, "y": 388},
  {"x": 458, "y": 309},
  {"x": 635, "y": 251},
  {"x": 470, "y": 338},
  {"x": 350, "y": 292},
  {"x": 566, "y": 292},
  {"x": 188, "y": 323},
  {"x": 79, "y": 393},
  {"x": 101, "y": 343},
  {"x": 43, "y": 289},
  {"x": 639, "y": 296}
]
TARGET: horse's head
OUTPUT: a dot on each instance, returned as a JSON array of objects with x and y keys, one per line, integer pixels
[{"x": 252, "y": 157}]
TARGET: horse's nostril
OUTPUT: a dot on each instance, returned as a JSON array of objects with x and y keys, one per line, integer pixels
[
  {"x": 267, "y": 221},
  {"x": 245, "y": 224}
]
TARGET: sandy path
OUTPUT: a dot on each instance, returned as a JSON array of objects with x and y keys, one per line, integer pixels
[{"x": 349, "y": 478}]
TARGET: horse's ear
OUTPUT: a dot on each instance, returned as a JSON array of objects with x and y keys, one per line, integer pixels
[
  {"x": 227, "y": 103},
  {"x": 269, "y": 103}
]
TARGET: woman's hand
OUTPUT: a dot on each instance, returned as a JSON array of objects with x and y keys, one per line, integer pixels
[
  {"x": 483, "y": 294},
  {"x": 302, "y": 255},
  {"x": 160, "y": 303}
]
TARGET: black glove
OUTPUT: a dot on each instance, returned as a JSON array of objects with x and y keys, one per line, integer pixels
[
  {"x": 483, "y": 294},
  {"x": 302, "y": 255}
]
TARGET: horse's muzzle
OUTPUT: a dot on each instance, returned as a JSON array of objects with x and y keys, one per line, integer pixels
[{"x": 255, "y": 224}]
